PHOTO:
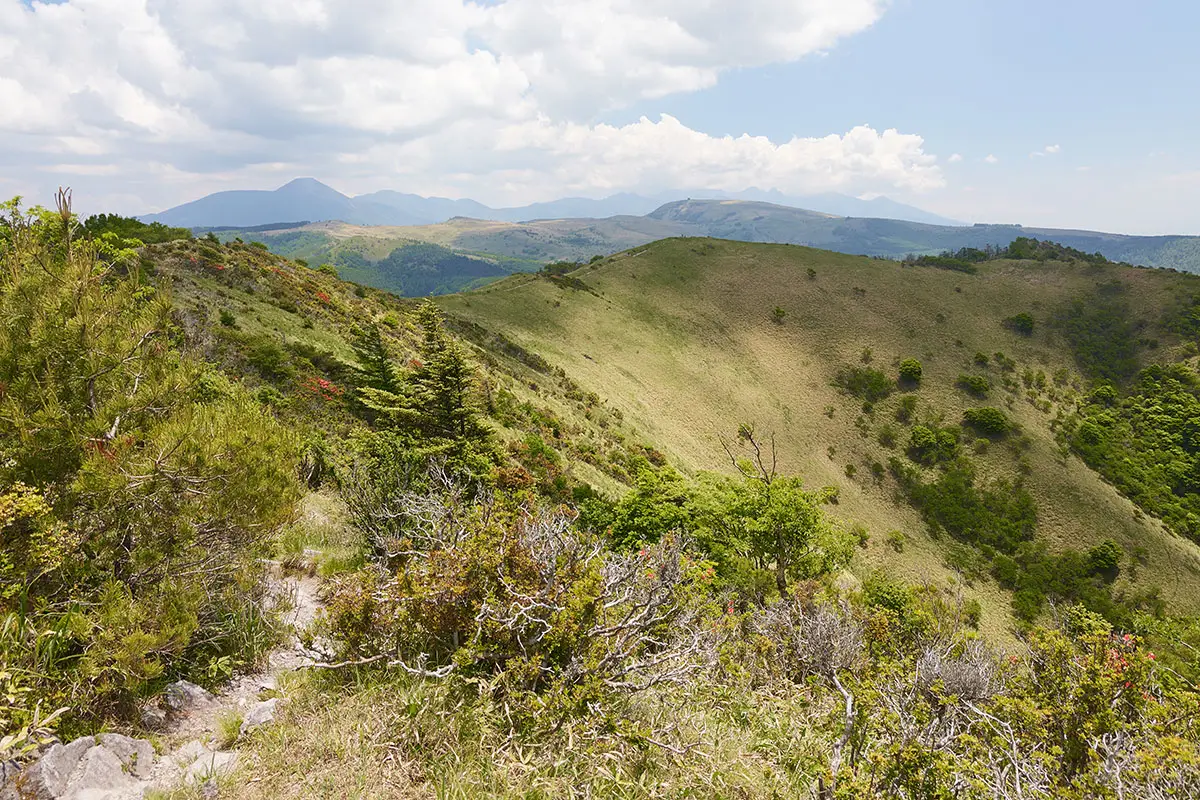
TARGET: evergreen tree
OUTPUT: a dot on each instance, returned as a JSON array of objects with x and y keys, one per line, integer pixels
[
  {"x": 434, "y": 401},
  {"x": 375, "y": 368},
  {"x": 442, "y": 385}
]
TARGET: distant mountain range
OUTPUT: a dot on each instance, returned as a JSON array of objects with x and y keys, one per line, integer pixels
[
  {"x": 306, "y": 199},
  {"x": 463, "y": 252}
]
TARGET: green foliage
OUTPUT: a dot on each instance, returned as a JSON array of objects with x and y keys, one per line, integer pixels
[
  {"x": 1147, "y": 443},
  {"x": 435, "y": 401},
  {"x": 991, "y": 422},
  {"x": 777, "y": 315},
  {"x": 137, "y": 491},
  {"x": 1102, "y": 334},
  {"x": 658, "y": 504},
  {"x": 974, "y": 385},
  {"x": 1105, "y": 558},
  {"x": 1020, "y": 323},
  {"x": 129, "y": 228},
  {"x": 375, "y": 367},
  {"x": 865, "y": 383},
  {"x": 910, "y": 371},
  {"x": 929, "y": 444},
  {"x": 1000, "y": 515}
]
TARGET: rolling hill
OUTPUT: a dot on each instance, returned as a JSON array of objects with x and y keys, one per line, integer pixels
[
  {"x": 682, "y": 338},
  {"x": 526, "y": 246}
]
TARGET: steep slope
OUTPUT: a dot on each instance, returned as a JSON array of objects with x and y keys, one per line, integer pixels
[{"x": 681, "y": 337}]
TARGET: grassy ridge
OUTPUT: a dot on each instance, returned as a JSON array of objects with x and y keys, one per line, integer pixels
[{"x": 680, "y": 336}]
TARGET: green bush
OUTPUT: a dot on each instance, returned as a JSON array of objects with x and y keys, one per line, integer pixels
[
  {"x": 139, "y": 490},
  {"x": 1020, "y": 324},
  {"x": 931, "y": 445},
  {"x": 974, "y": 385},
  {"x": 867, "y": 384},
  {"x": 1102, "y": 333},
  {"x": 906, "y": 409},
  {"x": 1144, "y": 443},
  {"x": 991, "y": 422},
  {"x": 910, "y": 371}
]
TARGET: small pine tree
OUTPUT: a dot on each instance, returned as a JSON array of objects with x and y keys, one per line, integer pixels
[
  {"x": 375, "y": 368},
  {"x": 442, "y": 385}
]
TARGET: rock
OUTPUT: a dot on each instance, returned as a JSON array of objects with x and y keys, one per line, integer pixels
[
  {"x": 105, "y": 767},
  {"x": 49, "y": 776},
  {"x": 10, "y": 772},
  {"x": 137, "y": 755},
  {"x": 154, "y": 718},
  {"x": 184, "y": 696},
  {"x": 100, "y": 774},
  {"x": 211, "y": 765},
  {"x": 260, "y": 714}
]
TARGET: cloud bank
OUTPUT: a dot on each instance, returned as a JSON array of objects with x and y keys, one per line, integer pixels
[{"x": 156, "y": 100}]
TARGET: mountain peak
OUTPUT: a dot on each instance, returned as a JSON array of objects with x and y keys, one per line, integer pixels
[{"x": 310, "y": 186}]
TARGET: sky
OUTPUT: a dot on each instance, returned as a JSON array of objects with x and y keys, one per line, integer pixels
[{"x": 1059, "y": 113}]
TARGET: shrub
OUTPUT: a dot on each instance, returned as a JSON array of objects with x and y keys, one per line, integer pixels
[
  {"x": 1105, "y": 558},
  {"x": 556, "y": 621},
  {"x": 974, "y": 385},
  {"x": 931, "y": 445},
  {"x": 865, "y": 383},
  {"x": 1102, "y": 334},
  {"x": 1021, "y": 324},
  {"x": 227, "y": 318},
  {"x": 777, "y": 315},
  {"x": 987, "y": 421},
  {"x": 135, "y": 546},
  {"x": 906, "y": 409},
  {"x": 981, "y": 359},
  {"x": 1000, "y": 515},
  {"x": 910, "y": 371},
  {"x": 887, "y": 436},
  {"x": 896, "y": 540}
]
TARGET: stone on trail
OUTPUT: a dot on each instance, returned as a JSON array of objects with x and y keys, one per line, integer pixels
[
  {"x": 105, "y": 767},
  {"x": 261, "y": 714},
  {"x": 183, "y": 696}
]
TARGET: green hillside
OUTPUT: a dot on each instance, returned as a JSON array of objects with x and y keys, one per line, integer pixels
[
  {"x": 477, "y": 251},
  {"x": 681, "y": 337},
  {"x": 703, "y": 519}
]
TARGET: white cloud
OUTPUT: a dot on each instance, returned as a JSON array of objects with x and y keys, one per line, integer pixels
[
  {"x": 1048, "y": 150},
  {"x": 183, "y": 96},
  {"x": 991, "y": 159},
  {"x": 955, "y": 158}
]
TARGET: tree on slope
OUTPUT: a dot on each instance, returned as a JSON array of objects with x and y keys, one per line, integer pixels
[{"x": 775, "y": 519}]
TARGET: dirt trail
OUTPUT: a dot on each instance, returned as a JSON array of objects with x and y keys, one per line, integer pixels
[{"x": 191, "y": 736}]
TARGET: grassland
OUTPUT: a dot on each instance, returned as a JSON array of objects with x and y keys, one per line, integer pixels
[{"x": 680, "y": 337}]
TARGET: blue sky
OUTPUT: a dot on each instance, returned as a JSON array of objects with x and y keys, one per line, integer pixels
[
  {"x": 939, "y": 103},
  {"x": 1115, "y": 84}
]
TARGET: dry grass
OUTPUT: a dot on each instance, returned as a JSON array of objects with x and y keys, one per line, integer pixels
[
  {"x": 679, "y": 337},
  {"x": 394, "y": 737}
]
